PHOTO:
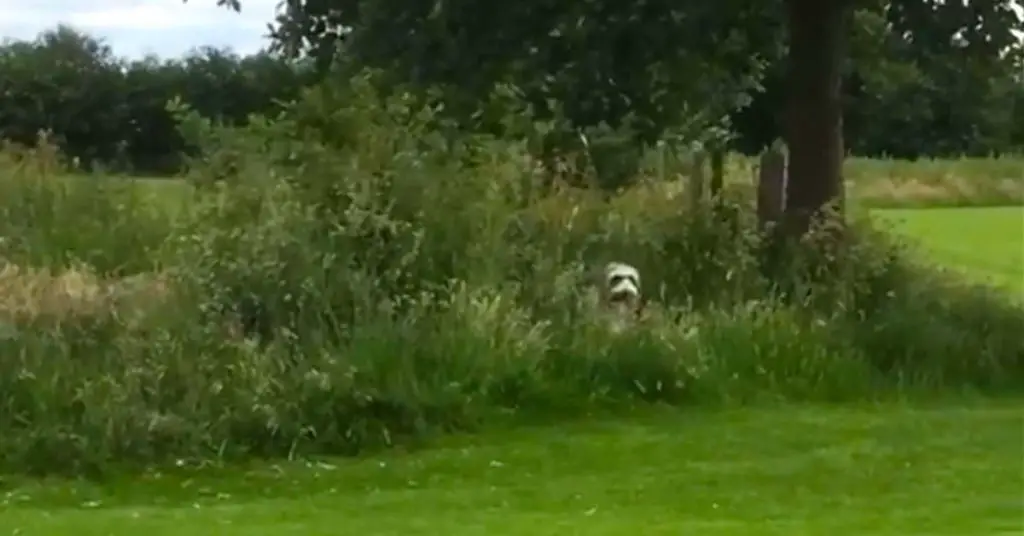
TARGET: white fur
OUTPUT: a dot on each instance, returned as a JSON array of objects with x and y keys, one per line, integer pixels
[
  {"x": 621, "y": 294},
  {"x": 622, "y": 278}
]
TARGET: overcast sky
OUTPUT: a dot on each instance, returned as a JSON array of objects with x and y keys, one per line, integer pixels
[{"x": 138, "y": 27}]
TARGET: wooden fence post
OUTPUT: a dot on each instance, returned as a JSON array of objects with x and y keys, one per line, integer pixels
[
  {"x": 771, "y": 186},
  {"x": 697, "y": 179},
  {"x": 717, "y": 172}
]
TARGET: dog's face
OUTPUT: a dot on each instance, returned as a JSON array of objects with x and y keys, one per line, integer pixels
[{"x": 622, "y": 288}]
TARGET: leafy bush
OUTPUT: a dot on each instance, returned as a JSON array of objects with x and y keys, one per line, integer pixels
[{"x": 359, "y": 277}]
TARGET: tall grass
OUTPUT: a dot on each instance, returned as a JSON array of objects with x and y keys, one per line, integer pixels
[
  {"x": 112, "y": 226},
  {"x": 357, "y": 279},
  {"x": 885, "y": 183},
  {"x": 879, "y": 182}
]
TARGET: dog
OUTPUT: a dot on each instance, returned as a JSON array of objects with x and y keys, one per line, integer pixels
[{"x": 620, "y": 297}]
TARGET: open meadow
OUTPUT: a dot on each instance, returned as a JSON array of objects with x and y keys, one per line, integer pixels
[
  {"x": 984, "y": 244},
  {"x": 427, "y": 365},
  {"x": 887, "y": 469}
]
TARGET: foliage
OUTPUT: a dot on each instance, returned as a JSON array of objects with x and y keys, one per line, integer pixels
[
  {"x": 108, "y": 112},
  {"x": 396, "y": 281},
  {"x": 585, "y": 57},
  {"x": 914, "y": 86},
  {"x": 111, "y": 113},
  {"x": 585, "y": 60},
  {"x": 608, "y": 90}
]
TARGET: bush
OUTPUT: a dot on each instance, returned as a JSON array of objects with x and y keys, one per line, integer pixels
[{"x": 357, "y": 278}]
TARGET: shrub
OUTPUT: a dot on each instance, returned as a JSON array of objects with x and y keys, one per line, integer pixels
[
  {"x": 392, "y": 282},
  {"x": 940, "y": 331}
]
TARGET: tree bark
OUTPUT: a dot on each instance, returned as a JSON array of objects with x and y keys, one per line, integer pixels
[{"x": 814, "y": 122}]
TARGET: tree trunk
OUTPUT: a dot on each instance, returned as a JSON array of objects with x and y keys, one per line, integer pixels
[
  {"x": 814, "y": 122},
  {"x": 697, "y": 180},
  {"x": 717, "y": 171}
]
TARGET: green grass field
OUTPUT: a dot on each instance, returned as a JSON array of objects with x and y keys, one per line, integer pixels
[
  {"x": 953, "y": 468},
  {"x": 886, "y": 469},
  {"x": 985, "y": 244}
]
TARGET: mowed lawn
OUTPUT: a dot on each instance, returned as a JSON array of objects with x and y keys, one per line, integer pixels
[
  {"x": 889, "y": 469},
  {"x": 985, "y": 244}
]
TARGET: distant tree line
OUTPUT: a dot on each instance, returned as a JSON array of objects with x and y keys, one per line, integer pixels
[
  {"x": 925, "y": 99},
  {"x": 111, "y": 112}
]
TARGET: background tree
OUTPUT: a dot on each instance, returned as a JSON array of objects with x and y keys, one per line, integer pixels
[
  {"x": 631, "y": 71},
  {"x": 908, "y": 101},
  {"x": 66, "y": 83},
  {"x": 112, "y": 112},
  {"x": 650, "y": 62},
  {"x": 913, "y": 82}
]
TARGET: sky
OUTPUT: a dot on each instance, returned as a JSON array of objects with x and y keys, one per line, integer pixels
[{"x": 134, "y": 28}]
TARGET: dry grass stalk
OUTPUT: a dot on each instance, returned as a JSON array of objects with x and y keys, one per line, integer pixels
[
  {"x": 950, "y": 189},
  {"x": 28, "y": 294}
]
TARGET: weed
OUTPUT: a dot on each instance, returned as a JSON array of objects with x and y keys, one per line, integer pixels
[{"x": 332, "y": 292}]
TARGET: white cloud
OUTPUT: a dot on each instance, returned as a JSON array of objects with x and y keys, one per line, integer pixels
[
  {"x": 137, "y": 27},
  {"x": 158, "y": 17}
]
